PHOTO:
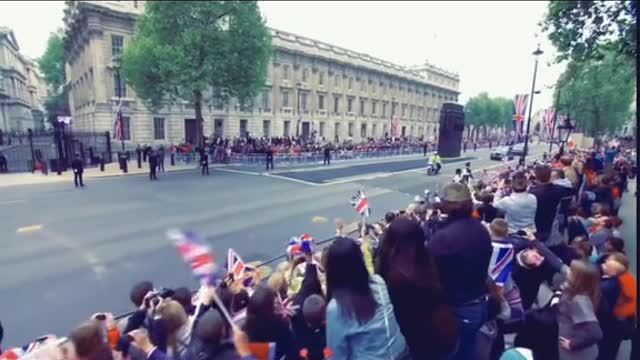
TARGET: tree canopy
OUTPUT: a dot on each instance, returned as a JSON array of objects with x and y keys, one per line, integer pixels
[
  {"x": 483, "y": 111},
  {"x": 52, "y": 66},
  {"x": 581, "y": 30},
  {"x": 184, "y": 48},
  {"x": 598, "y": 95}
]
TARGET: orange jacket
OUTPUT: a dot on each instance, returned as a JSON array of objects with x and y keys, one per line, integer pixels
[{"x": 627, "y": 305}]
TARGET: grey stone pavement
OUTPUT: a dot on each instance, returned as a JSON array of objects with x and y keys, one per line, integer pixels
[{"x": 68, "y": 253}]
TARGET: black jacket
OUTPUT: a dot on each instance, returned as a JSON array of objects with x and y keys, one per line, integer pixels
[
  {"x": 199, "y": 350},
  {"x": 462, "y": 250},
  {"x": 77, "y": 166},
  {"x": 313, "y": 339},
  {"x": 487, "y": 212},
  {"x": 274, "y": 330},
  {"x": 548, "y": 196}
]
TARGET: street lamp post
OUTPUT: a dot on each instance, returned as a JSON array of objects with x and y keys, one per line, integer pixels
[
  {"x": 564, "y": 131},
  {"x": 536, "y": 54},
  {"x": 555, "y": 120}
]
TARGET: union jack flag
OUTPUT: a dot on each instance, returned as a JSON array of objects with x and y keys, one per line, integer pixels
[
  {"x": 298, "y": 245},
  {"x": 235, "y": 265},
  {"x": 548, "y": 118},
  {"x": 195, "y": 253},
  {"x": 361, "y": 203},
  {"x": 18, "y": 352},
  {"x": 284, "y": 307},
  {"x": 118, "y": 126},
  {"x": 519, "y": 110},
  {"x": 501, "y": 262}
]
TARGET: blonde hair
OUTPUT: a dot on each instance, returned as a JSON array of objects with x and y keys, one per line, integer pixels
[
  {"x": 620, "y": 258},
  {"x": 174, "y": 317}
]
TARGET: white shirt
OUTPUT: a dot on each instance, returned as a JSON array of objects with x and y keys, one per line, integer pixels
[{"x": 519, "y": 210}]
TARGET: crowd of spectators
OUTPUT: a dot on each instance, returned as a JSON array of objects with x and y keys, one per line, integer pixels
[
  {"x": 222, "y": 150},
  {"x": 446, "y": 278}
]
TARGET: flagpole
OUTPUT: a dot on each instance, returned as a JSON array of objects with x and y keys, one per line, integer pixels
[{"x": 119, "y": 115}]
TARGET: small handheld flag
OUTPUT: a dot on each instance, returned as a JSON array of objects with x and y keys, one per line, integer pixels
[
  {"x": 360, "y": 202},
  {"x": 195, "y": 253},
  {"x": 235, "y": 264},
  {"x": 501, "y": 262},
  {"x": 300, "y": 245}
]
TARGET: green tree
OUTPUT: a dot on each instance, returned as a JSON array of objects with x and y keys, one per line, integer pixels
[
  {"x": 184, "y": 48},
  {"x": 52, "y": 66},
  {"x": 581, "y": 30},
  {"x": 484, "y": 112},
  {"x": 598, "y": 94}
]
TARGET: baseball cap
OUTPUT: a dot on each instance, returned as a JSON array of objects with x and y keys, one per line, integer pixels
[{"x": 456, "y": 192}]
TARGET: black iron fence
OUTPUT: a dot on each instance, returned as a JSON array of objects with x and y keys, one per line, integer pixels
[{"x": 53, "y": 150}]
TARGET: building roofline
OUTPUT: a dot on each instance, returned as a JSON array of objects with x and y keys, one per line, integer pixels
[
  {"x": 332, "y": 52},
  {"x": 8, "y": 32},
  {"x": 363, "y": 56}
]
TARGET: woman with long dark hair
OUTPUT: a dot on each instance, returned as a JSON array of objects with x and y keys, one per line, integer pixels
[
  {"x": 578, "y": 328},
  {"x": 360, "y": 319},
  {"x": 264, "y": 325},
  {"x": 419, "y": 303}
]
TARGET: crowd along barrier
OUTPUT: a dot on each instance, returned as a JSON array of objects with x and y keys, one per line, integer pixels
[{"x": 62, "y": 349}]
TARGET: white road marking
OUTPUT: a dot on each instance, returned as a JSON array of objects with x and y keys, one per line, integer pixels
[
  {"x": 364, "y": 177},
  {"x": 9, "y": 202},
  {"x": 89, "y": 257},
  {"x": 292, "y": 179},
  {"x": 241, "y": 172},
  {"x": 28, "y": 229}
]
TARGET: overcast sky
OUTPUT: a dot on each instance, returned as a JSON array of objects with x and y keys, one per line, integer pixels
[{"x": 488, "y": 43}]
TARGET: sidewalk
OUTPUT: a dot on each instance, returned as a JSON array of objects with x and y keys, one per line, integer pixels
[{"x": 110, "y": 170}]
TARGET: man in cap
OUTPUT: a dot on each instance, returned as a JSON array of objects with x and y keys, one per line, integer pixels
[{"x": 462, "y": 251}]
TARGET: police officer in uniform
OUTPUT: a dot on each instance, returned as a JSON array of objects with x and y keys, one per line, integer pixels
[
  {"x": 78, "y": 168},
  {"x": 269, "y": 157},
  {"x": 204, "y": 162},
  {"x": 327, "y": 155},
  {"x": 467, "y": 174},
  {"x": 153, "y": 164}
]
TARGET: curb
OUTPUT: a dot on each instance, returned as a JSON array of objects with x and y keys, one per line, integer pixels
[{"x": 134, "y": 174}]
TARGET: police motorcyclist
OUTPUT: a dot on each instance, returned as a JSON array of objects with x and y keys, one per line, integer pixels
[{"x": 435, "y": 159}]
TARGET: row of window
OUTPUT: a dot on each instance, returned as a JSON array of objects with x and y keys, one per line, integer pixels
[
  {"x": 117, "y": 46},
  {"x": 406, "y": 110},
  {"x": 304, "y": 77},
  {"x": 159, "y": 128}
]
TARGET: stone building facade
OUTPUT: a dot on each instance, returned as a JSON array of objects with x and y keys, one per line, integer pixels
[
  {"x": 312, "y": 88},
  {"x": 22, "y": 87}
]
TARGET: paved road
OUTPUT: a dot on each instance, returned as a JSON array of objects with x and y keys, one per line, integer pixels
[{"x": 68, "y": 253}]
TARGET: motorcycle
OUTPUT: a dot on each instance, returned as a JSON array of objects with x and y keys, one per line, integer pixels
[{"x": 433, "y": 169}]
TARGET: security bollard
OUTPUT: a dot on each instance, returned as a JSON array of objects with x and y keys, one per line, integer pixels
[
  {"x": 122, "y": 157},
  {"x": 173, "y": 159},
  {"x": 102, "y": 163}
]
